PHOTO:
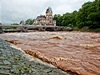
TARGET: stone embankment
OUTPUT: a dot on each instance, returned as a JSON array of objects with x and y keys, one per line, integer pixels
[{"x": 16, "y": 62}]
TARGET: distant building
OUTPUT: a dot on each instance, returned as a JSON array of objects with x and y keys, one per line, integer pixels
[{"x": 46, "y": 20}]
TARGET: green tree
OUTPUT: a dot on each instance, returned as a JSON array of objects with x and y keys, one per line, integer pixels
[
  {"x": 15, "y": 24},
  {"x": 89, "y": 15},
  {"x": 67, "y": 19},
  {"x": 29, "y": 21},
  {"x": 58, "y": 19}
]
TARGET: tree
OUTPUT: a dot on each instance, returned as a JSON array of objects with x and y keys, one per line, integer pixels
[
  {"x": 15, "y": 24},
  {"x": 89, "y": 15},
  {"x": 67, "y": 19},
  {"x": 29, "y": 21},
  {"x": 58, "y": 19}
]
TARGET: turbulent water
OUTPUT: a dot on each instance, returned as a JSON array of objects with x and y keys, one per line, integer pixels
[{"x": 71, "y": 51}]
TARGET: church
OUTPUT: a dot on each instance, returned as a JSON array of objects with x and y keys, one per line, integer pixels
[{"x": 45, "y": 20}]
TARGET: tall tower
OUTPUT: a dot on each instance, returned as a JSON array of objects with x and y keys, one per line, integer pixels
[{"x": 49, "y": 18}]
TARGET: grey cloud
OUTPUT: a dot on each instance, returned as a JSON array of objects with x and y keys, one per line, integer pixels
[{"x": 13, "y": 11}]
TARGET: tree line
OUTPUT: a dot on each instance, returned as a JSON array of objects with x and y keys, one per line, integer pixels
[{"x": 88, "y": 17}]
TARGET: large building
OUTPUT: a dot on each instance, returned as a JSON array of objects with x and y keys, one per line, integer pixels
[{"x": 46, "y": 20}]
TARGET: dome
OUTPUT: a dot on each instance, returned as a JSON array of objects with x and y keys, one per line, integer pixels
[{"x": 49, "y": 10}]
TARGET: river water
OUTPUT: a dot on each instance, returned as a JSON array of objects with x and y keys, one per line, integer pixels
[{"x": 71, "y": 51}]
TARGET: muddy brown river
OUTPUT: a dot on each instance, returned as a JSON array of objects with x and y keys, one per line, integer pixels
[{"x": 77, "y": 52}]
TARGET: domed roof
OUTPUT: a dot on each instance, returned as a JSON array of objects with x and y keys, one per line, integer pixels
[{"x": 49, "y": 10}]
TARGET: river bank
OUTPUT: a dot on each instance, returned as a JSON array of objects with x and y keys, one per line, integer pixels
[{"x": 16, "y": 62}]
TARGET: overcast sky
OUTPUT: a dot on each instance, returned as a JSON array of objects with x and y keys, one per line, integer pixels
[{"x": 13, "y": 11}]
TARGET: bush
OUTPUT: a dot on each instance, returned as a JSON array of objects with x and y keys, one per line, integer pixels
[
  {"x": 76, "y": 29},
  {"x": 84, "y": 29},
  {"x": 95, "y": 30}
]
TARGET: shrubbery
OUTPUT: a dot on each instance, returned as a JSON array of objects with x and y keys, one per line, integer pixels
[{"x": 84, "y": 29}]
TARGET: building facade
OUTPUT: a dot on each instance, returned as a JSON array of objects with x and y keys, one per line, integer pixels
[{"x": 45, "y": 20}]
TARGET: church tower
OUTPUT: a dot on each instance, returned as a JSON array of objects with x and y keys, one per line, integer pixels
[{"x": 49, "y": 17}]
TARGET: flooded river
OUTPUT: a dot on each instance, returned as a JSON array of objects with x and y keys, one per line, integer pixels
[{"x": 78, "y": 52}]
